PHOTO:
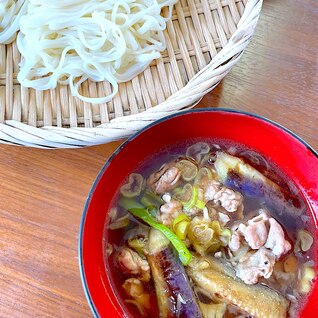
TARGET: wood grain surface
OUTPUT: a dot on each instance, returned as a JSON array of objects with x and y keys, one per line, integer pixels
[{"x": 42, "y": 192}]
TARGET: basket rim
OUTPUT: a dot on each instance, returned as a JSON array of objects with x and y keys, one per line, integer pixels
[{"x": 19, "y": 133}]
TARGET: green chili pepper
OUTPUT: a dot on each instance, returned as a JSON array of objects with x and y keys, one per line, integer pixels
[{"x": 184, "y": 254}]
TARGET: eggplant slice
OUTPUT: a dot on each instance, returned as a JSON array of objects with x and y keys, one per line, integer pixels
[
  {"x": 174, "y": 293},
  {"x": 218, "y": 279},
  {"x": 240, "y": 176}
]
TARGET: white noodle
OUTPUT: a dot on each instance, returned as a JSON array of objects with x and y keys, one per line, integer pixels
[
  {"x": 100, "y": 40},
  {"x": 10, "y": 14}
]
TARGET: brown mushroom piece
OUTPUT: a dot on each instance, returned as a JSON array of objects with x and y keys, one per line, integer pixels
[{"x": 133, "y": 187}]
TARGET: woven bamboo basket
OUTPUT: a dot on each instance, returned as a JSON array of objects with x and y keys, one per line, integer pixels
[{"x": 204, "y": 40}]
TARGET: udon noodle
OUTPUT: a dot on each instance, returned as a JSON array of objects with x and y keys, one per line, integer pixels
[
  {"x": 10, "y": 14},
  {"x": 71, "y": 41}
]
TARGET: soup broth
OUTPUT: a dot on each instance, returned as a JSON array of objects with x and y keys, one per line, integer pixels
[{"x": 200, "y": 220}]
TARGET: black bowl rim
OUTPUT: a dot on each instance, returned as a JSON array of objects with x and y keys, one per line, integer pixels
[{"x": 107, "y": 163}]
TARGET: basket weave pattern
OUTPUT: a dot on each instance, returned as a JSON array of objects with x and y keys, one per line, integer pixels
[{"x": 204, "y": 40}]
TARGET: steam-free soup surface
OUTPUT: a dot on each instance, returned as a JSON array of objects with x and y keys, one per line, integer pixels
[{"x": 208, "y": 229}]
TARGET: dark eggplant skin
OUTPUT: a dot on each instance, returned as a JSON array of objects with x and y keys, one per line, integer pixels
[
  {"x": 236, "y": 174},
  {"x": 174, "y": 292},
  {"x": 278, "y": 200}
]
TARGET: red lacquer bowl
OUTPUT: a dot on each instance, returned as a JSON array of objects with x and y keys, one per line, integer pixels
[{"x": 295, "y": 158}]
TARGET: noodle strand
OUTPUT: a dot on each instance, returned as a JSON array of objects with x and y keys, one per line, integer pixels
[
  {"x": 10, "y": 14},
  {"x": 71, "y": 41}
]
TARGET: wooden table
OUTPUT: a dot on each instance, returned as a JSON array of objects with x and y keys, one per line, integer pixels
[{"x": 42, "y": 193}]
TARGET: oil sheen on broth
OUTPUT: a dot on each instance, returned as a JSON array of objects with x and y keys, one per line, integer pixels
[{"x": 209, "y": 229}]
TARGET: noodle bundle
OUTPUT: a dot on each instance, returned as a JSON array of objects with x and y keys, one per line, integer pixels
[
  {"x": 10, "y": 14},
  {"x": 100, "y": 40}
]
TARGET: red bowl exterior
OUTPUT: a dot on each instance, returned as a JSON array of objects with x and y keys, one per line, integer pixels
[{"x": 295, "y": 158}]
